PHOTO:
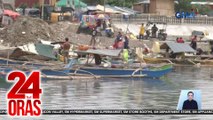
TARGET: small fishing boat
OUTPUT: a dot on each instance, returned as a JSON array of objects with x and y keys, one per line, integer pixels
[
  {"x": 148, "y": 72},
  {"x": 47, "y": 74},
  {"x": 115, "y": 71}
]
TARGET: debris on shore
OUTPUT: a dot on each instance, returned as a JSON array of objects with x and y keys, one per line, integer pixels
[
  {"x": 26, "y": 30},
  {"x": 31, "y": 30}
]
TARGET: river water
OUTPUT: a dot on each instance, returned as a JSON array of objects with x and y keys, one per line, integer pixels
[{"x": 124, "y": 94}]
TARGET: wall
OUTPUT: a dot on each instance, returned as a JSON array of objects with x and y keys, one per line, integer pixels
[
  {"x": 50, "y": 2},
  {"x": 1, "y": 4},
  {"x": 152, "y": 7},
  {"x": 162, "y": 7},
  {"x": 142, "y": 8},
  {"x": 138, "y": 7},
  {"x": 30, "y": 3},
  {"x": 11, "y": 2}
]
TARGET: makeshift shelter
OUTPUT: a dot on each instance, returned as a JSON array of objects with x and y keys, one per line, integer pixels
[
  {"x": 88, "y": 21},
  {"x": 105, "y": 52},
  {"x": 39, "y": 49},
  {"x": 75, "y": 3},
  {"x": 178, "y": 47},
  {"x": 107, "y": 9}
]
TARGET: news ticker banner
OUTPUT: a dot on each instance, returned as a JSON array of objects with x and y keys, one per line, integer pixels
[{"x": 120, "y": 112}]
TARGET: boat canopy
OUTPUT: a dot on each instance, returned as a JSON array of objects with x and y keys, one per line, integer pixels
[
  {"x": 106, "y": 52},
  {"x": 178, "y": 47}
]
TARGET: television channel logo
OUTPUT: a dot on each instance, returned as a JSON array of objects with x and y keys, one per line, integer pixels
[{"x": 180, "y": 15}]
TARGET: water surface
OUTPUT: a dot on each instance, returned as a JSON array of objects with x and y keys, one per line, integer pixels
[{"x": 125, "y": 94}]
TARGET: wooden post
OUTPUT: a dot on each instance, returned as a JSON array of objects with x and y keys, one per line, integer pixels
[
  {"x": 8, "y": 54},
  {"x": 42, "y": 9}
]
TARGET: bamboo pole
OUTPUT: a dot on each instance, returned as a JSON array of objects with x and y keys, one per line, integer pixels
[{"x": 8, "y": 54}]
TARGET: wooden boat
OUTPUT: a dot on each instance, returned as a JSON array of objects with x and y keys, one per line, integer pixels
[
  {"x": 48, "y": 74},
  {"x": 63, "y": 74},
  {"x": 9, "y": 62},
  {"x": 149, "y": 72},
  {"x": 121, "y": 72}
]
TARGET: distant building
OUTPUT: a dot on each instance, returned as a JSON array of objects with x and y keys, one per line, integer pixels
[
  {"x": 142, "y": 6},
  {"x": 28, "y": 3},
  {"x": 32, "y": 3},
  {"x": 209, "y": 4},
  {"x": 159, "y": 7}
]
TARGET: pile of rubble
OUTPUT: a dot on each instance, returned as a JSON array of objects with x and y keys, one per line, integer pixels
[
  {"x": 31, "y": 30},
  {"x": 26, "y": 30}
]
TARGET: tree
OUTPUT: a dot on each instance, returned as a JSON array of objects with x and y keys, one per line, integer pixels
[
  {"x": 36, "y": 5},
  {"x": 202, "y": 9},
  {"x": 183, "y": 5},
  {"x": 23, "y": 6},
  {"x": 125, "y": 3},
  {"x": 186, "y": 6}
]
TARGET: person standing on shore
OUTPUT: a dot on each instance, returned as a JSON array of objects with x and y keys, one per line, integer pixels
[
  {"x": 126, "y": 42},
  {"x": 154, "y": 31},
  {"x": 142, "y": 31},
  {"x": 93, "y": 39},
  {"x": 66, "y": 47},
  {"x": 194, "y": 43},
  {"x": 177, "y": 39},
  {"x": 117, "y": 39},
  {"x": 180, "y": 40},
  {"x": 120, "y": 44}
]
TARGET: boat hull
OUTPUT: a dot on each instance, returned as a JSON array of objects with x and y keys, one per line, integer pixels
[{"x": 111, "y": 72}]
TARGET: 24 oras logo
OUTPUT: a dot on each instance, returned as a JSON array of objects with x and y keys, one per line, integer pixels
[{"x": 24, "y": 97}]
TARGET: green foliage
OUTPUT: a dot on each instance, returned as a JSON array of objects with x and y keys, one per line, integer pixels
[
  {"x": 183, "y": 5},
  {"x": 186, "y": 6},
  {"x": 36, "y": 5},
  {"x": 202, "y": 9},
  {"x": 24, "y": 5}
]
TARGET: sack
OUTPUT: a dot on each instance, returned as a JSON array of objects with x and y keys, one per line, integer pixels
[{"x": 83, "y": 47}]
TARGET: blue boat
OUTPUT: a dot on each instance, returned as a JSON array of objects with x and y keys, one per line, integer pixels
[
  {"x": 152, "y": 72},
  {"x": 147, "y": 71},
  {"x": 47, "y": 74}
]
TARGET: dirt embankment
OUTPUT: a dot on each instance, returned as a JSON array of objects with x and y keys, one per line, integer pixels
[
  {"x": 30, "y": 30},
  {"x": 25, "y": 30}
]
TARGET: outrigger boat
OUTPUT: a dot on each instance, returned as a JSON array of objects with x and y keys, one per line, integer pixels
[
  {"x": 152, "y": 72},
  {"x": 70, "y": 71},
  {"x": 147, "y": 71},
  {"x": 49, "y": 74}
]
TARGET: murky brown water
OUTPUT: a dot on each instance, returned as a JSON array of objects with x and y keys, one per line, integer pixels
[{"x": 125, "y": 94}]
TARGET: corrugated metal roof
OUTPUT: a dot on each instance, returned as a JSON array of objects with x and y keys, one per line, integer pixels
[
  {"x": 45, "y": 50},
  {"x": 123, "y": 10},
  {"x": 91, "y": 8},
  {"x": 178, "y": 47},
  {"x": 143, "y": 2},
  {"x": 106, "y": 52},
  {"x": 202, "y": 3}
]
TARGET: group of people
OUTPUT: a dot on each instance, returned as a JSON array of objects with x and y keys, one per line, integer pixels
[
  {"x": 121, "y": 41},
  {"x": 180, "y": 40},
  {"x": 193, "y": 43},
  {"x": 143, "y": 30},
  {"x": 101, "y": 26}
]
